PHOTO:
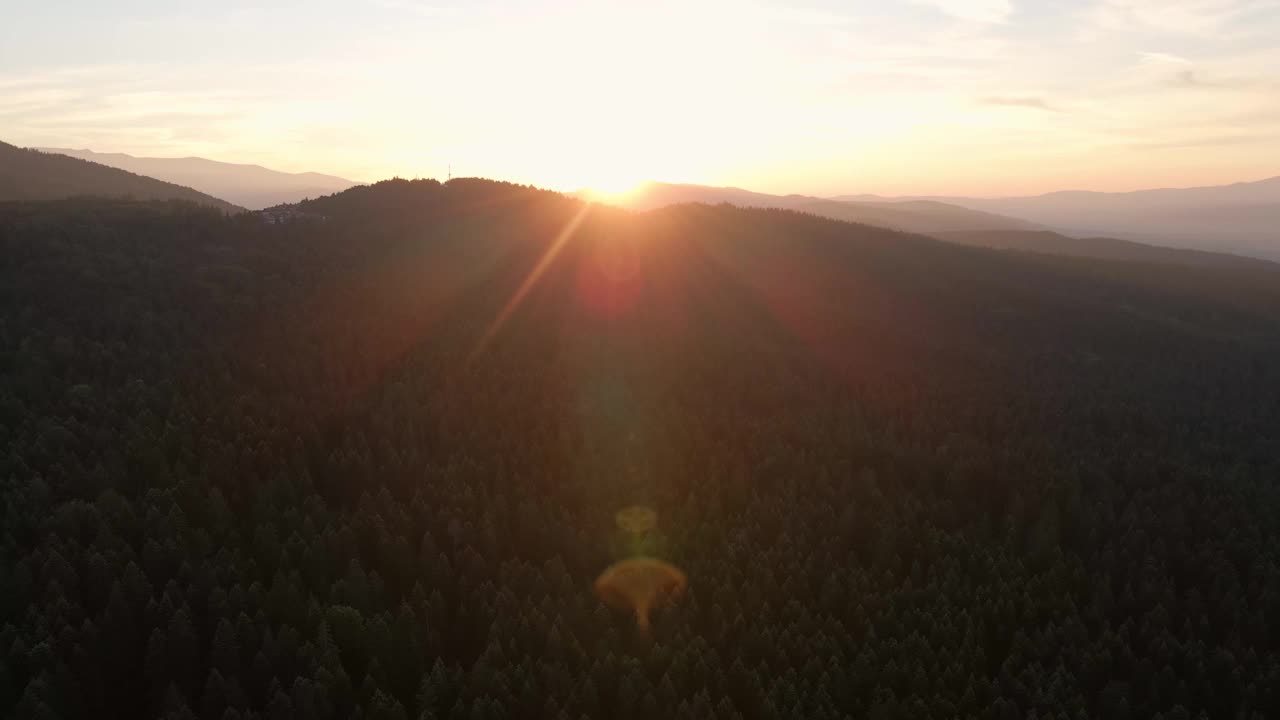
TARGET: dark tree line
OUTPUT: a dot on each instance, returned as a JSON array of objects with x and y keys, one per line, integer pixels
[{"x": 318, "y": 470}]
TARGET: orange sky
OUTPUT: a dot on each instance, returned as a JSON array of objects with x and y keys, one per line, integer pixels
[{"x": 978, "y": 97}]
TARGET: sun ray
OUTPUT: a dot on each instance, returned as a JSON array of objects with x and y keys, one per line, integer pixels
[{"x": 532, "y": 279}]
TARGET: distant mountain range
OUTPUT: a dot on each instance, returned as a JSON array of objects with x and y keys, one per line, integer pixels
[
  {"x": 1241, "y": 218},
  {"x": 250, "y": 186},
  {"x": 916, "y": 216},
  {"x": 35, "y": 175},
  {"x": 951, "y": 221},
  {"x": 1183, "y": 226},
  {"x": 1102, "y": 248}
]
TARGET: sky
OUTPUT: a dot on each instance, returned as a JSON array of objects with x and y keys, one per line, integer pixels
[{"x": 895, "y": 97}]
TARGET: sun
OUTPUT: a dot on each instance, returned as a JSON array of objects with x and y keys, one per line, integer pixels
[
  {"x": 603, "y": 170},
  {"x": 612, "y": 190}
]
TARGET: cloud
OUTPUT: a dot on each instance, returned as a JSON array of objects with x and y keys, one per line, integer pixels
[
  {"x": 1034, "y": 103},
  {"x": 1181, "y": 17},
  {"x": 1160, "y": 58},
  {"x": 984, "y": 11},
  {"x": 1189, "y": 79},
  {"x": 153, "y": 110}
]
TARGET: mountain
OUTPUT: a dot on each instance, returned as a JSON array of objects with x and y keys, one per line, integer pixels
[
  {"x": 376, "y": 465},
  {"x": 1242, "y": 218},
  {"x": 1047, "y": 241},
  {"x": 913, "y": 216},
  {"x": 947, "y": 221},
  {"x": 251, "y": 186},
  {"x": 37, "y": 175}
]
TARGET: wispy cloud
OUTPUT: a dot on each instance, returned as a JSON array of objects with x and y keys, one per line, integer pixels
[
  {"x": 1013, "y": 85},
  {"x": 1161, "y": 58},
  {"x": 1189, "y": 79},
  {"x": 1030, "y": 102},
  {"x": 985, "y": 11},
  {"x": 1184, "y": 17}
]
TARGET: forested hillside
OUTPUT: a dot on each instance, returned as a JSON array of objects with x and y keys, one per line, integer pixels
[
  {"x": 1102, "y": 248},
  {"x": 367, "y": 464},
  {"x": 944, "y": 221},
  {"x": 35, "y": 175},
  {"x": 921, "y": 216}
]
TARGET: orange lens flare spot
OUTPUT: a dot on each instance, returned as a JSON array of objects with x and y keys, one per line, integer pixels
[
  {"x": 640, "y": 585},
  {"x": 610, "y": 280}
]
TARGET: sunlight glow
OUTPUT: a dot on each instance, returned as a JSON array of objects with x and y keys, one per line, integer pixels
[
  {"x": 915, "y": 97},
  {"x": 612, "y": 192}
]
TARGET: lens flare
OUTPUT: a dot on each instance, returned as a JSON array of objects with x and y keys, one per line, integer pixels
[
  {"x": 532, "y": 279},
  {"x": 640, "y": 585},
  {"x": 637, "y": 519}
]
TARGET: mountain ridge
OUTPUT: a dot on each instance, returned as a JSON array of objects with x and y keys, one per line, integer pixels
[
  {"x": 926, "y": 219},
  {"x": 28, "y": 174},
  {"x": 939, "y": 219},
  {"x": 1266, "y": 181},
  {"x": 250, "y": 185},
  {"x": 1241, "y": 218}
]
